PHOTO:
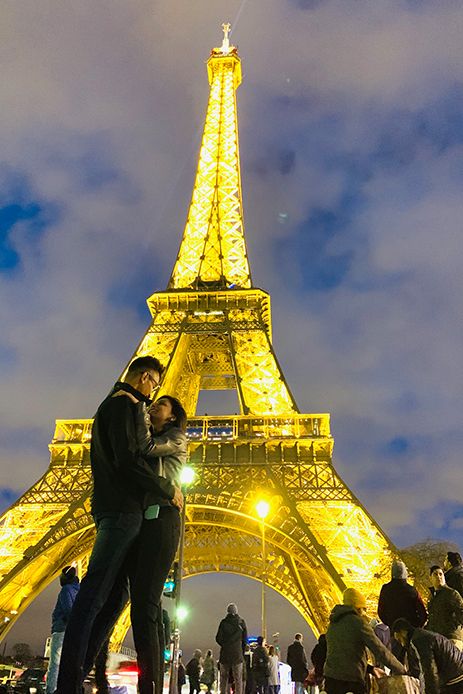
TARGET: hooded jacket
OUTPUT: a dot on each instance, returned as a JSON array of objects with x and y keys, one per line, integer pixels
[
  {"x": 63, "y": 607},
  {"x": 399, "y": 599},
  {"x": 440, "y": 660},
  {"x": 446, "y": 613},
  {"x": 454, "y": 578},
  {"x": 347, "y": 639},
  {"x": 232, "y": 636}
]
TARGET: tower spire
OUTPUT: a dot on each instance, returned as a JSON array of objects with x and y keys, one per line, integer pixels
[
  {"x": 213, "y": 250},
  {"x": 226, "y": 42}
]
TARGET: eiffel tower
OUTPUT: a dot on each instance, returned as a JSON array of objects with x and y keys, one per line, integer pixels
[{"x": 212, "y": 330}]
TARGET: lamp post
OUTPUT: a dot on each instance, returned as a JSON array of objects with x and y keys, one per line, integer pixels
[
  {"x": 186, "y": 478},
  {"x": 262, "y": 509}
]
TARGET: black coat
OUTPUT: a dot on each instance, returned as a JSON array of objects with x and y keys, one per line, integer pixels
[
  {"x": 446, "y": 613},
  {"x": 121, "y": 477},
  {"x": 297, "y": 660},
  {"x": 440, "y": 660},
  {"x": 232, "y": 636},
  {"x": 399, "y": 599},
  {"x": 260, "y": 665},
  {"x": 318, "y": 655},
  {"x": 181, "y": 676},
  {"x": 193, "y": 669},
  {"x": 454, "y": 578}
]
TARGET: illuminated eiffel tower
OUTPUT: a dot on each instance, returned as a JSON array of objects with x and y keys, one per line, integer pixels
[{"x": 212, "y": 330}]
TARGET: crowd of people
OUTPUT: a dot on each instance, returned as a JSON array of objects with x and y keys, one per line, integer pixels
[
  {"x": 138, "y": 448},
  {"x": 408, "y": 639}
]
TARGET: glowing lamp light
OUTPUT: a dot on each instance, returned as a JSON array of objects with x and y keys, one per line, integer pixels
[
  {"x": 187, "y": 475},
  {"x": 182, "y": 613},
  {"x": 262, "y": 509}
]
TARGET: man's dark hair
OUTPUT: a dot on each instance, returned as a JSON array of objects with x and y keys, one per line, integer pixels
[
  {"x": 434, "y": 567},
  {"x": 143, "y": 364},
  {"x": 297, "y": 637},
  {"x": 177, "y": 410},
  {"x": 402, "y": 624},
  {"x": 260, "y": 640},
  {"x": 454, "y": 558}
]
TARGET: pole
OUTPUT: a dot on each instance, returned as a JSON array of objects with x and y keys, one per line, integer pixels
[
  {"x": 176, "y": 637},
  {"x": 264, "y": 625}
]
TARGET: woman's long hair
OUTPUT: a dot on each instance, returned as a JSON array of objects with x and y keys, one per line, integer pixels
[{"x": 178, "y": 412}]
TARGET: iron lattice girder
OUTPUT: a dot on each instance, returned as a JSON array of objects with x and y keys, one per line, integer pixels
[
  {"x": 211, "y": 547},
  {"x": 201, "y": 307},
  {"x": 288, "y": 467},
  {"x": 239, "y": 322},
  {"x": 213, "y": 248}
]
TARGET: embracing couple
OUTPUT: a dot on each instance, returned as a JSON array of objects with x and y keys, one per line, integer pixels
[{"x": 137, "y": 452}]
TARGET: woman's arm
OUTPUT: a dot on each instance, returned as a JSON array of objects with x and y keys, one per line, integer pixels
[{"x": 172, "y": 442}]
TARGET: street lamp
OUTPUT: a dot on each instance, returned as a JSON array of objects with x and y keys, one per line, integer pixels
[
  {"x": 186, "y": 477},
  {"x": 181, "y": 613},
  {"x": 262, "y": 509}
]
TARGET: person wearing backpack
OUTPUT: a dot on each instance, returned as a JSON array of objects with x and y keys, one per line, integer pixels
[
  {"x": 232, "y": 636},
  {"x": 260, "y": 667},
  {"x": 193, "y": 670}
]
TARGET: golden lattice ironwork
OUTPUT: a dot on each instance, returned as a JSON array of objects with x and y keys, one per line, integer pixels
[{"x": 212, "y": 330}]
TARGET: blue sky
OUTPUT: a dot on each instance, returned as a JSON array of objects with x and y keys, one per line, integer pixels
[{"x": 351, "y": 146}]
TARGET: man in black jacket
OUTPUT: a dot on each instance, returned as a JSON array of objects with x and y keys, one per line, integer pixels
[
  {"x": 400, "y": 599},
  {"x": 440, "y": 661},
  {"x": 454, "y": 571},
  {"x": 121, "y": 481},
  {"x": 445, "y": 609},
  {"x": 232, "y": 637},
  {"x": 297, "y": 661}
]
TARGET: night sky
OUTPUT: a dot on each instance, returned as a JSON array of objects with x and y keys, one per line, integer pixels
[{"x": 351, "y": 131}]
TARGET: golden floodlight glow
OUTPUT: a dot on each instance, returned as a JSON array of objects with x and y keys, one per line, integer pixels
[
  {"x": 262, "y": 509},
  {"x": 187, "y": 475}
]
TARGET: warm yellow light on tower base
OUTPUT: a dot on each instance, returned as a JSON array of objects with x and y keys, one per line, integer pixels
[{"x": 262, "y": 509}]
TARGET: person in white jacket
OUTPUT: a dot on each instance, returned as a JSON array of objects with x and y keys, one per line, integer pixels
[{"x": 274, "y": 679}]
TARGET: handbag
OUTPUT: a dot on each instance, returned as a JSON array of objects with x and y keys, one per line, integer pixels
[{"x": 398, "y": 684}]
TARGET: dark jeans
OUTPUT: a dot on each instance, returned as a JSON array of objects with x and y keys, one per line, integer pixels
[
  {"x": 102, "y": 596},
  {"x": 194, "y": 686},
  {"x": 260, "y": 683},
  {"x": 333, "y": 686},
  {"x": 101, "y": 681},
  {"x": 152, "y": 557},
  {"x": 453, "y": 688}
]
